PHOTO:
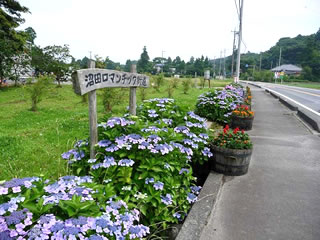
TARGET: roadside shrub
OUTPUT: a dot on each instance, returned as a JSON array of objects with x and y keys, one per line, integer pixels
[
  {"x": 186, "y": 85},
  {"x": 175, "y": 82},
  {"x": 38, "y": 89},
  {"x": 112, "y": 97},
  {"x": 218, "y": 105},
  {"x": 158, "y": 81},
  {"x": 170, "y": 88}
]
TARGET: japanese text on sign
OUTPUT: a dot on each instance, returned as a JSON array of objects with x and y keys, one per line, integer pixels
[{"x": 86, "y": 80}]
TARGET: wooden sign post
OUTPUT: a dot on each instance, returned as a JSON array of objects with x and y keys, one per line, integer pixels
[
  {"x": 133, "y": 94},
  {"x": 93, "y": 119},
  {"x": 91, "y": 79}
]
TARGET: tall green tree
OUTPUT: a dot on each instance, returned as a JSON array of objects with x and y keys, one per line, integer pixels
[
  {"x": 11, "y": 40},
  {"x": 127, "y": 67},
  {"x": 59, "y": 62},
  {"x": 53, "y": 59},
  {"x": 31, "y": 34},
  {"x": 144, "y": 65}
]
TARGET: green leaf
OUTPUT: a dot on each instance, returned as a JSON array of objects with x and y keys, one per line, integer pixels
[{"x": 144, "y": 209}]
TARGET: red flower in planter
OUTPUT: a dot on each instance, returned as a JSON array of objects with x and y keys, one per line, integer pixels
[
  {"x": 233, "y": 139},
  {"x": 236, "y": 130},
  {"x": 226, "y": 128}
]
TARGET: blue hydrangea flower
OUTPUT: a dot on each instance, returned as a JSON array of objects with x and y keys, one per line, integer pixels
[
  {"x": 167, "y": 200},
  {"x": 191, "y": 198},
  {"x": 195, "y": 189},
  {"x": 104, "y": 143},
  {"x": 177, "y": 215},
  {"x": 126, "y": 162},
  {"x": 184, "y": 170},
  {"x": 152, "y": 113},
  {"x": 158, "y": 185},
  {"x": 149, "y": 180},
  {"x": 181, "y": 129},
  {"x": 206, "y": 152}
]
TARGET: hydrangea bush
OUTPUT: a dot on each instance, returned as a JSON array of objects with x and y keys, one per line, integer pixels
[
  {"x": 147, "y": 159},
  {"x": 140, "y": 181},
  {"x": 70, "y": 208},
  {"x": 218, "y": 105}
]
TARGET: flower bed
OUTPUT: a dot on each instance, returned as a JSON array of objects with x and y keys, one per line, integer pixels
[
  {"x": 140, "y": 181},
  {"x": 218, "y": 105}
]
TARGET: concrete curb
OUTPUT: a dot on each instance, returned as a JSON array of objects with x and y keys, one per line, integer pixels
[
  {"x": 201, "y": 210},
  {"x": 288, "y": 104},
  {"x": 305, "y": 116}
]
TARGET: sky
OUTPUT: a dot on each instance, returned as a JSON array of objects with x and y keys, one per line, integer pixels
[{"x": 119, "y": 29}]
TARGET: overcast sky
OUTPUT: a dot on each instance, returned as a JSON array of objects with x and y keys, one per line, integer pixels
[{"x": 120, "y": 28}]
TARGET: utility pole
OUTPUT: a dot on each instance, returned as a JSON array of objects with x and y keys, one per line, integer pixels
[
  {"x": 162, "y": 60},
  {"x": 214, "y": 67},
  {"x": 224, "y": 64},
  {"x": 239, "y": 43},
  {"x": 280, "y": 57},
  {"x": 260, "y": 63},
  {"x": 233, "y": 49},
  {"x": 271, "y": 64},
  {"x": 220, "y": 64}
]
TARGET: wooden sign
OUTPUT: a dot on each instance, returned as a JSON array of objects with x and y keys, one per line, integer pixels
[{"x": 87, "y": 80}]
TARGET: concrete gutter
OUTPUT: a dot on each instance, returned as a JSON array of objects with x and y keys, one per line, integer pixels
[{"x": 202, "y": 209}]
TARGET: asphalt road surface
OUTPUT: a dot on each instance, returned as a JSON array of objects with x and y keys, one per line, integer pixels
[{"x": 306, "y": 96}]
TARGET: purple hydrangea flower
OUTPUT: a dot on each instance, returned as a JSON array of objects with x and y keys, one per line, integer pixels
[
  {"x": 167, "y": 200},
  {"x": 191, "y": 198},
  {"x": 181, "y": 129},
  {"x": 149, "y": 180},
  {"x": 184, "y": 170},
  {"x": 195, "y": 189},
  {"x": 177, "y": 215},
  {"x": 152, "y": 113},
  {"x": 104, "y": 143},
  {"x": 206, "y": 152},
  {"x": 158, "y": 185},
  {"x": 126, "y": 162}
]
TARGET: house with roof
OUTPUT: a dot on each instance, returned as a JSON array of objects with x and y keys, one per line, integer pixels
[{"x": 287, "y": 69}]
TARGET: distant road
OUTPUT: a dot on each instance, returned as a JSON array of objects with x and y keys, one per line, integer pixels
[{"x": 305, "y": 96}]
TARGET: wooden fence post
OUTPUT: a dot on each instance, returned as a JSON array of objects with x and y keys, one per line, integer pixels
[
  {"x": 133, "y": 94},
  {"x": 92, "y": 97}
]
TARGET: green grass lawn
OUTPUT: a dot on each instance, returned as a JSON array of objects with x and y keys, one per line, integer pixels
[
  {"x": 315, "y": 85},
  {"x": 31, "y": 142}
]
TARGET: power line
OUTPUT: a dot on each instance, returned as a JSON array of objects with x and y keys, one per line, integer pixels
[
  {"x": 244, "y": 45},
  {"x": 235, "y": 2}
]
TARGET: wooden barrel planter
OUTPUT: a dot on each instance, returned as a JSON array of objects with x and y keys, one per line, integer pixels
[
  {"x": 231, "y": 162},
  {"x": 244, "y": 123}
]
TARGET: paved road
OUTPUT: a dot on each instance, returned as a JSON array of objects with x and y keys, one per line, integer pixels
[
  {"x": 306, "y": 96},
  {"x": 279, "y": 198}
]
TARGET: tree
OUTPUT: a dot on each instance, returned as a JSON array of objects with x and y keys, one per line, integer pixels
[
  {"x": 21, "y": 65},
  {"x": 11, "y": 41},
  {"x": 99, "y": 62},
  {"x": 31, "y": 34},
  {"x": 143, "y": 65},
  {"x": 127, "y": 67},
  {"x": 39, "y": 60},
  {"x": 58, "y": 62}
]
